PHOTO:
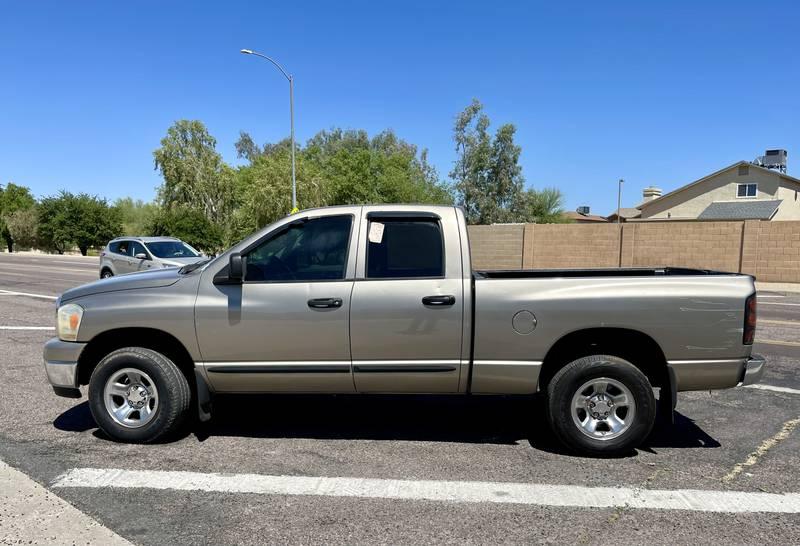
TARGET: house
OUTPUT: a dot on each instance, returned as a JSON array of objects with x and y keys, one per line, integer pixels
[
  {"x": 625, "y": 214},
  {"x": 583, "y": 216},
  {"x": 742, "y": 191}
]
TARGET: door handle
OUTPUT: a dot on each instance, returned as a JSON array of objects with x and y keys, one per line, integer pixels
[
  {"x": 325, "y": 303},
  {"x": 438, "y": 301}
]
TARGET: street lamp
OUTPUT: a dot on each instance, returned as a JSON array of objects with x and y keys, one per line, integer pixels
[{"x": 291, "y": 115}]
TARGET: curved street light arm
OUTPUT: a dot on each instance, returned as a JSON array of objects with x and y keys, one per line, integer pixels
[{"x": 270, "y": 59}]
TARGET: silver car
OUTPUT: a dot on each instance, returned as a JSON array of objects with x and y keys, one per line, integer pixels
[{"x": 132, "y": 254}]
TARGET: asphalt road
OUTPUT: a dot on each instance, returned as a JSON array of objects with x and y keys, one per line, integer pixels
[{"x": 459, "y": 440}]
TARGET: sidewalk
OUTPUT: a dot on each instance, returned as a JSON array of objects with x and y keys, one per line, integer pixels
[
  {"x": 31, "y": 514},
  {"x": 786, "y": 287}
]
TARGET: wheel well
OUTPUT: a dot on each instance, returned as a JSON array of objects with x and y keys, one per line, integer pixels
[
  {"x": 150, "y": 338},
  {"x": 637, "y": 348},
  {"x": 105, "y": 268}
]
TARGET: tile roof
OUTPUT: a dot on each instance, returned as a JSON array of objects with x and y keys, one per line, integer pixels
[{"x": 740, "y": 210}]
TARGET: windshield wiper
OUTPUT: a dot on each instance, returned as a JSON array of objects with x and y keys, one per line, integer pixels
[{"x": 191, "y": 267}]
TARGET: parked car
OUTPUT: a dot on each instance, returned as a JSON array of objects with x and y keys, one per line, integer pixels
[
  {"x": 382, "y": 299},
  {"x": 131, "y": 254}
]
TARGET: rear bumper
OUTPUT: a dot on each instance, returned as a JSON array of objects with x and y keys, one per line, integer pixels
[
  {"x": 702, "y": 375},
  {"x": 753, "y": 370},
  {"x": 61, "y": 365}
]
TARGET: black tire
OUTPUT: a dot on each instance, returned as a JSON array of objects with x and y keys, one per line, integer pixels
[
  {"x": 106, "y": 273},
  {"x": 174, "y": 395},
  {"x": 565, "y": 385}
]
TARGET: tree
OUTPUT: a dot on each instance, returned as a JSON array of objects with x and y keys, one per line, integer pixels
[
  {"x": 194, "y": 173},
  {"x": 136, "y": 215},
  {"x": 335, "y": 167},
  {"x": 474, "y": 150},
  {"x": 82, "y": 220},
  {"x": 23, "y": 225},
  {"x": 12, "y": 198},
  {"x": 188, "y": 225},
  {"x": 542, "y": 207}
]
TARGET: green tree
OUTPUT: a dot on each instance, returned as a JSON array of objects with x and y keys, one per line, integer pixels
[
  {"x": 23, "y": 225},
  {"x": 13, "y": 198},
  {"x": 194, "y": 173},
  {"x": 188, "y": 225},
  {"x": 82, "y": 220},
  {"x": 136, "y": 215},
  {"x": 545, "y": 206}
]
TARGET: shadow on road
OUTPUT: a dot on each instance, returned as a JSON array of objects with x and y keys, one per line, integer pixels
[{"x": 487, "y": 420}]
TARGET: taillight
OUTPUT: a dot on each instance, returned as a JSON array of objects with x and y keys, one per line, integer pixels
[{"x": 749, "y": 320}]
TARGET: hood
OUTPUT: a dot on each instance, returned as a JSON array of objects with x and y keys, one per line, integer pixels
[
  {"x": 180, "y": 262},
  {"x": 155, "y": 278}
]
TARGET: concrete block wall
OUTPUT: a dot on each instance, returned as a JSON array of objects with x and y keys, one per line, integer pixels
[
  {"x": 496, "y": 247},
  {"x": 571, "y": 246},
  {"x": 769, "y": 250}
]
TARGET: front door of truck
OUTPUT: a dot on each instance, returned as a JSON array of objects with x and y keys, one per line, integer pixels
[
  {"x": 407, "y": 309},
  {"x": 286, "y": 327}
]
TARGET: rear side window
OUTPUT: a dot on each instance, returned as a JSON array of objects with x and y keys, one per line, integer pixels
[
  {"x": 120, "y": 247},
  {"x": 405, "y": 249}
]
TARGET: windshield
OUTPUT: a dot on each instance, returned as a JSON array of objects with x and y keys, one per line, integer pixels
[{"x": 172, "y": 249}]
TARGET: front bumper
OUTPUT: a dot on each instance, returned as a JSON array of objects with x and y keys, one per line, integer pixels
[
  {"x": 753, "y": 370},
  {"x": 61, "y": 365}
]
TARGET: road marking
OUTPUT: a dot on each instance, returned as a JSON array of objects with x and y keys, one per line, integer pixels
[
  {"x": 49, "y": 268},
  {"x": 27, "y": 328},
  {"x": 787, "y": 428},
  {"x": 448, "y": 491},
  {"x": 777, "y": 342},
  {"x": 779, "y": 303},
  {"x": 773, "y": 388},
  {"x": 12, "y": 293},
  {"x": 785, "y": 322},
  {"x": 776, "y": 296}
]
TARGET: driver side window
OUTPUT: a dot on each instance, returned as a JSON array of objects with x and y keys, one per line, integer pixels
[{"x": 312, "y": 250}]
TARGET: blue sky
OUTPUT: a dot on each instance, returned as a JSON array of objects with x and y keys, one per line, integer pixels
[{"x": 653, "y": 92}]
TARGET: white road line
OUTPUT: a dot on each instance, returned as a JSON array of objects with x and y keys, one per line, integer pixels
[
  {"x": 48, "y": 267},
  {"x": 779, "y": 303},
  {"x": 773, "y": 388},
  {"x": 27, "y": 327},
  {"x": 778, "y": 342},
  {"x": 784, "y": 322},
  {"x": 761, "y": 297},
  {"x": 448, "y": 491},
  {"x": 12, "y": 293}
]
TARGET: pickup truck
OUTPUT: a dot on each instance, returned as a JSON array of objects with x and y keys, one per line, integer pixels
[{"x": 383, "y": 299}]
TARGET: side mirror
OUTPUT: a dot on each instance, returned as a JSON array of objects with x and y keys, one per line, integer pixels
[
  {"x": 141, "y": 256},
  {"x": 236, "y": 268}
]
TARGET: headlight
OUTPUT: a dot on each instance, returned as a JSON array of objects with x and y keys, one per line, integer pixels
[{"x": 69, "y": 321}]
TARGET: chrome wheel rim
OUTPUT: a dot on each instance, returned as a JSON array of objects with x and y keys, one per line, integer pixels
[
  {"x": 603, "y": 408},
  {"x": 131, "y": 398}
]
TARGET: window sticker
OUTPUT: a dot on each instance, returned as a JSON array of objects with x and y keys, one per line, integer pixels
[{"x": 375, "y": 232}]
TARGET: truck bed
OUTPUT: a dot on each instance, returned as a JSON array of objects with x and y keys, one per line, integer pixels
[{"x": 600, "y": 272}]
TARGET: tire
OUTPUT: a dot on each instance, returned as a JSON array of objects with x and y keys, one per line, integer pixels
[
  {"x": 138, "y": 395},
  {"x": 622, "y": 413},
  {"x": 106, "y": 273}
]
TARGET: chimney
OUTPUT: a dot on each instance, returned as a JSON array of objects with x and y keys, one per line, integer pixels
[{"x": 650, "y": 193}]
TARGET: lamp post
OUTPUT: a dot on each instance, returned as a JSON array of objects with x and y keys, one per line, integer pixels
[
  {"x": 619, "y": 200},
  {"x": 291, "y": 115}
]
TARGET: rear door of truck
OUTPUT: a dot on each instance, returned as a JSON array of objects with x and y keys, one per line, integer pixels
[{"x": 408, "y": 301}]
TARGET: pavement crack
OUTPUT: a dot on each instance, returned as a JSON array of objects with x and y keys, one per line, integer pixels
[{"x": 752, "y": 459}]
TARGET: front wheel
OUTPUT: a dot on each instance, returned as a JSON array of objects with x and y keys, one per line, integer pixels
[
  {"x": 106, "y": 274},
  {"x": 601, "y": 405},
  {"x": 138, "y": 395}
]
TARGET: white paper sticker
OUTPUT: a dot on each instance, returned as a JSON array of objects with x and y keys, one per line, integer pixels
[{"x": 375, "y": 232}]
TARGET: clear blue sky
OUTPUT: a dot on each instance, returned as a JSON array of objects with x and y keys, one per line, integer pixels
[{"x": 654, "y": 92}]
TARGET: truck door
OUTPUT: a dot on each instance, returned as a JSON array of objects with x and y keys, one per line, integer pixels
[
  {"x": 286, "y": 327},
  {"x": 407, "y": 307}
]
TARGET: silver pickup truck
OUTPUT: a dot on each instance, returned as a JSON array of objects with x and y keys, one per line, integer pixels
[{"x": 383, "y": 299}]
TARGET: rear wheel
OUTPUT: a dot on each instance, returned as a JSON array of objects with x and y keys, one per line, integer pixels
[
  {"x": 601, "y": 405},
  {"x": 138, "y": 395},
  {"x": 106, "y": 273}
]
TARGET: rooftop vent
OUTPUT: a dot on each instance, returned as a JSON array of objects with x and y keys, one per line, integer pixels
[
  {"x": 773, "y": 159},
  {"x": 650, "y": 193},
  {"x": 584, "y": 209}
]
